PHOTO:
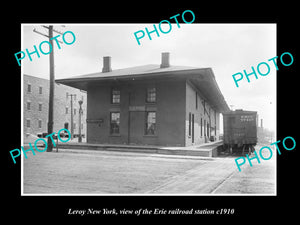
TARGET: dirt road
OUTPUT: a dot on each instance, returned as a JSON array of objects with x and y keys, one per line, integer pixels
[{"x": 96, "y": 172}]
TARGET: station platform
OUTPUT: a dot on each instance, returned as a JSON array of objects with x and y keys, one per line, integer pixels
[{"x": 205, "y": 150}]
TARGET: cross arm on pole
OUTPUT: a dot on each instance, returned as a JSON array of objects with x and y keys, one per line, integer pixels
[
  {"x": 53, "y": 30},
  {"x": 34, "y": 30}
]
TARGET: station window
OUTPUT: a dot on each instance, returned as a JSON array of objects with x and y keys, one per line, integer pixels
[
  {"x": 207, "y": 134},
  {"x": 150, "y": 123},
  {"x": 190, "y": 124},
  {"x": 201, "y": 127},
  {"x": 151, "y": 95},
  {"x": 204, "y": 128},
  {"x": 115, "y": 96},
  {"x": 114, "y": 122},
  {"x": 40, "y": 106},
  {"x": 196, "y": 100},
  {"x": 40, "y": 90}
]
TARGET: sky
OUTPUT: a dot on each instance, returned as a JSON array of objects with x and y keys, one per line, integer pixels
[{"x": 226, "y": 48}]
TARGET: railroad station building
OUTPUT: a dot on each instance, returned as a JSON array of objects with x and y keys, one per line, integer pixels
[{"x": 152, "y": 104}]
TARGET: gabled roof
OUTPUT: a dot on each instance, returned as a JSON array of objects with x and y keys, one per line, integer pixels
[{"x": 202, "y": 78}]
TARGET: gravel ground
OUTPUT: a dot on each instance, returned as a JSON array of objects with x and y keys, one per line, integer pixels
[
  {"x": 99, "y": 172},
  {"x": 258, "y": 179},
  {"x": 103, "y": 172}
]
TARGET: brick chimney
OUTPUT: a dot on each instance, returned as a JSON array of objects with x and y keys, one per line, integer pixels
[
  {"x": 106, "y": 64},
  {"x": 165, "y": 60}
]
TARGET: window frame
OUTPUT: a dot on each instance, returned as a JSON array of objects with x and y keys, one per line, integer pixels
[
  {"x": 196, "y": 103},
  {"x": 190, "y": 125},
  {"x": 201, "y": 127},
  {"x": 111, "y": 131},
  {"x": 149, "y": 95},
  {"x": 112, "y": 95},
  {"x": 147, "y": 128}
]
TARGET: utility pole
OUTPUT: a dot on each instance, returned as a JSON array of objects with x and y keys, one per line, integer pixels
[
  {"x": 72, "y": 129},
  {"x": 51, "y": 92}
]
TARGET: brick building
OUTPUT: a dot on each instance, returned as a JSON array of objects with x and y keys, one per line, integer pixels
[
  {"x": 151, "y": 104},
  {"x": 36, "y": 104}
]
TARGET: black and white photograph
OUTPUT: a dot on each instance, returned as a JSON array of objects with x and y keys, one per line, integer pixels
[
  {"x": 159, "y": 114},
  {"x": 130, "y": 112}
]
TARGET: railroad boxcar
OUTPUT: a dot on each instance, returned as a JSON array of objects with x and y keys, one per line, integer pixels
[{"x": 240, "y": 131}]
